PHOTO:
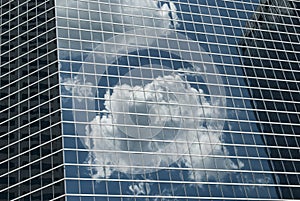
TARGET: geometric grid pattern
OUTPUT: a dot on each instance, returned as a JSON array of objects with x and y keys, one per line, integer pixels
[
  {"x": 30, "y": 130},
  {"x": 272, "y": 70},
  {"x": 184, "y": 100},
  {"x": 150, "y": 100}
]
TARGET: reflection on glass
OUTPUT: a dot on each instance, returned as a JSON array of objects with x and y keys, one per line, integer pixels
[{"x": 159, "y": 100}]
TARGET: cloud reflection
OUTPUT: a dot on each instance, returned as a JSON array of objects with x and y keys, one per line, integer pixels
[
  {"x": 144, "y": 128},
  {"x": 118, "y": 16},
  {"x": 148, "y": 127}
]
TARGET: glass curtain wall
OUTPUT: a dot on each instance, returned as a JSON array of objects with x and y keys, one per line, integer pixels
[
  {"x": 164, "y": 100},
  {"x": 31, "y": 156}
]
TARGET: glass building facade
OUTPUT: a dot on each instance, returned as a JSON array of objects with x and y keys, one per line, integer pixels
[
  {"x": 150, "y": 100},
  {"x": 31, "y": 155}
]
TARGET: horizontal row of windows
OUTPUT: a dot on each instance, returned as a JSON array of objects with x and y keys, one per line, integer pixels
[
  {"x": 73, "y": 55},
  {"x": 276, "y": 87},
  {"x": 233, "y": 115},
  {"x": 245, "y": 154},
  {"x": 249, "y": 128},
  {"x": 264, "y": 78},
  {"x": 238, "y": 139},
  {"x": 213, "y": 34},
  {"x": 170, "y": 181},
  {"x": 215, "y": 8}
]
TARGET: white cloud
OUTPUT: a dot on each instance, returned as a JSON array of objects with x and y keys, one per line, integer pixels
[
  {"x": 140, "y": 188},
  {"x": 127, "y": 135},
  {"x": 120, "y": 16},
  {"x": 255, "y": 182},
  {"x": 175, "y": 111},
  {"x": 77, "y": 87}
]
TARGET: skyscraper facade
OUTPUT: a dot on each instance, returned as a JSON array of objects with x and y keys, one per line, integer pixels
[
  {"x": 150, "y": 100},
  {"x": 31, "y": 156}
]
